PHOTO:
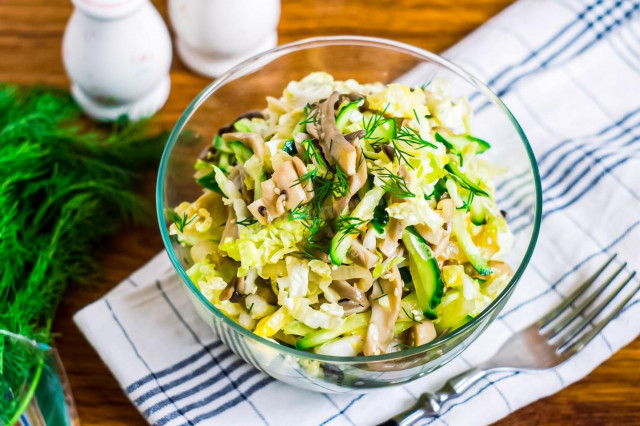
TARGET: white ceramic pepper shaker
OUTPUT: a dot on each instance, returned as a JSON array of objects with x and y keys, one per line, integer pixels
[
  {"x": 214, "y": 35},
  {"x": 117, "y": 54}
]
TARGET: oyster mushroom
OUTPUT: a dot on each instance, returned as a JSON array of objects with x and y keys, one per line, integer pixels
[
  {"x": 282, "y": 192},
  {"x": 250, "y": 140},
  {"x": 361, "y": 255},
  {"x": 354, "y": 295},
  {"x": 394, "y": 232},
  {"x": 336, "y": 148},
  {"x": 356, "y": 182},
  {"x": 385, "y": 307},
  {"x": 423, "y": 333}
]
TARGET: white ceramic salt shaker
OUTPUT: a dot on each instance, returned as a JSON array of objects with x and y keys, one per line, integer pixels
[
  {"x": 214, "y": 35},
  {"x": 117, "y": 54}
]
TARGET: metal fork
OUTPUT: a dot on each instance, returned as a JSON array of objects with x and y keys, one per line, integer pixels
[{"x": 545, "y": 344}]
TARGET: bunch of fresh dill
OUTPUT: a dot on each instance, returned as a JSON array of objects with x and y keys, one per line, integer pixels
[{"x": 63, "y": 186}]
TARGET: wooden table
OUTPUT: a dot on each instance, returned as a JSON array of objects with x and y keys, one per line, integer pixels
[{"x": 30, "y": 39}]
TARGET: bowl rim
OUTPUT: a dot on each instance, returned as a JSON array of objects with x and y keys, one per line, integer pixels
[{"x": 336, "y": 41}]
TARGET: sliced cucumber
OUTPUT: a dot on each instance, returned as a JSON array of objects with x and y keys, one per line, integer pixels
[
  {"x": 380, "y": 216},
  {"x": 209, "y": 182},
  {"x": 290, "y": 147},
  {"x": 468, "y": 247},
  {"x": 458, "y": 142},
  {"x": 425, "y": 272},
  {"x": 341, "y": 242},
  {"x": 241, "y": 152},
  {"x": 351, "y": 324},
  {"x": 298, "y": 328},
  {"x": 224, "y": 163},
  {"x": 244, "y": 125},
  {"x": 385, "y": 131},
  {"x": 463, "y": 180},
  {"x": 343, "y": 118},
  {"x": 221, "y": 145},
  {"x": 478, "y": 211}
]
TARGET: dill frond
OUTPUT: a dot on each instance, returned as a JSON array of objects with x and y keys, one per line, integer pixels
[{"x": 62, "y": 189}]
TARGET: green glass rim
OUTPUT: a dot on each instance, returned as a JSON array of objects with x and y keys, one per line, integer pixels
[{"x": 382, "y": 43}]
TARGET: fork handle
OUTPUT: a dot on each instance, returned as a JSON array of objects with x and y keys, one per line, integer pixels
[{"x": 429, "y": 404}]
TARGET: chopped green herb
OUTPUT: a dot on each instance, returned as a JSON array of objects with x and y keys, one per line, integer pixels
[
  {"x": 181, "y": 222},
  {"x": 393, "y": 184},
  {"x": 247, "y": 221},
  {"x": 411, "y": 316}
]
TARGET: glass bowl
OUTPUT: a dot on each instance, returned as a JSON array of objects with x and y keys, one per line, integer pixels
[{"x": 364, "y": 59}]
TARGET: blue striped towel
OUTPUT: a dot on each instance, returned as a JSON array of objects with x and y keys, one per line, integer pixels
[{"x": 570, "y": 72}]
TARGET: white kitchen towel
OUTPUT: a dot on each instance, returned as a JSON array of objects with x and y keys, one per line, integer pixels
[{"x": 570, "y": 72}]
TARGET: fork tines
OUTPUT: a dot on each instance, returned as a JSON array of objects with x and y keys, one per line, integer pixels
[{"x": 571, "y": 341}]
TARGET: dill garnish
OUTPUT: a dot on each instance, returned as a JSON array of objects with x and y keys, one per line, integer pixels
[
  {"x": 181, "y": 222},
  {"x": 415, "y": 114},
  {"x": 349, "y": 225},
  {"x": 247, "y": 221},
  {"x": 413, "y": 138},
  {"x": 393, "y": 184},
  {"x": 411, "y": 316},
  {"x": 340, "y": 188},
  {"x": 66, "y": 184}
]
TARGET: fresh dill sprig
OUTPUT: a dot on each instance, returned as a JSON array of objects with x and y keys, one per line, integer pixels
[
  {"x": 311, "y": 153},
  {"x": 309, "y": 119},
  {"x": 413, "y": 138},
  {"x": 250, "y": 308},
  {"x": 248, "y": 221},
  {"x": 466, "y": 205},
  {"x": 181, "y": 221},
  {"x": 65, "y": 186},
  {"x": 393, "y": 184},
  {"x": 403, "y": 346},
  {"x": 350, "y": 225},
  {"x": 383, "y": 294},
  {"x": 310, "y": 176},
  {"x": 340, "y": 187},
  {"x": 415, "y": 114},
  {"x": 411, "y": 316},
  {"x": 372, "y": 124}
]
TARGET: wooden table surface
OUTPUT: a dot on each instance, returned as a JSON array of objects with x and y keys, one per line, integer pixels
[{"x": 30, "y": 39}]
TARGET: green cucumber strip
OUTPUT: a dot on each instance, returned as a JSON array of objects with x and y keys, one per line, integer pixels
[
  {"x": 478, "y": 211},
  {"x": 467, "y": 245},
  {"x": 385, "y": 131},
  {"x": 209, "y": 182},
  {"x": 298, "y": 328},
  {"x": 482, "y": 144},
  {"x": 341, "y": 242},
  {"x": 342, "y": 120},
  {"x": 380, "y": 216},
  {"x": 241, "y": 152},
  {"x": 221, "y": 145},
  {"x": 244, "y": 125},
  {"x": 463, "y": 180},
  {"x": 457, "y": 143},
  {"x": 425, "y": 272},
  {"x": 290, "y": 147},
  {"x": 352, "y": 323},
  {"x": 223, "y": 163}
]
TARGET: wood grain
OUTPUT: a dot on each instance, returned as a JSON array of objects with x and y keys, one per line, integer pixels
[{"x": 30, "y": 40}]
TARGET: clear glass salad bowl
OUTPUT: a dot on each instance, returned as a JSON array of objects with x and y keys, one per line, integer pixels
[{"x": 364, "y": 59}]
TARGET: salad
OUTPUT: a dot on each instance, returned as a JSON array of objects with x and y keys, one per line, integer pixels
[{"x": 348, "y": 219}]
